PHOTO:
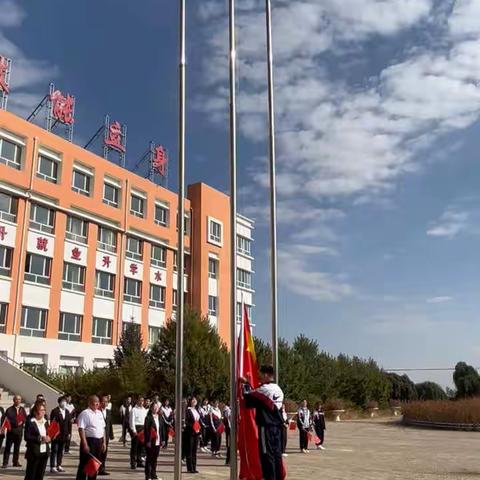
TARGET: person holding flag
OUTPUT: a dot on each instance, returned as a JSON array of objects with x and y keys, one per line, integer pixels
[
  {"x": 152, "y": 440},
  {"x": 92, "y": 431},
  {"x": 319, "y": 426},
  {"x": 38, "y": 442},
  {"x": 304, "y": 426},
  {"x": 137, "y": 422},
  {"x": 60, "y": 417},
  {"x": 13, "y": 423},
  {"x": 191, "y": 434}
]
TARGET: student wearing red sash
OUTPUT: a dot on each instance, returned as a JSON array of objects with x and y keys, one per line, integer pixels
[
  {"x": 216, "y": 427},
  {"x": 152, "y": 440},
  {"x": 16, "y": 416},
  {"x": 191, "y": 434}
]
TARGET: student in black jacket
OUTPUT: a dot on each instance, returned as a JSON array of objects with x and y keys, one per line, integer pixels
[
  {"x": 2, "y": 434},
  {"x": 191, "y": 434},
  {"x": 37, "y": 441},
  {"x": 107, "y": 416},
  {"x": 152, "y": 431},
  {"x": 16, "y": 416},
  {"x": 319, "y": 425},
  {"x": 60, "y": 415}
]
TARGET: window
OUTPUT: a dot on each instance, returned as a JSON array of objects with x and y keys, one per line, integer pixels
[
  {"x": 37, "y": 269},
  {"x": 105, "y": 284},
  {"x": 215, "y": 232},
  {"x": 186, "y": 223},
  {"x": 73, "y": 277},
  {"x": 3, "y": 316},
  {"x": 111, "y": 194},
  {"x": 244, "y": 245},
  {"x": 134, "y": 248},
  {"x": 239, "y": 312},
  {"x": 107, "y": 239},
  {"x": 77, "y": 229},
  {"x": 10, "y": 153},
  {"x": 81, "y": 182},
  {"x": 157, "y": 296},
  {"x": 70, "y": 327},
  {"x": 133, "y": 291},
  {"x": 34, "y": 322},
  {"x": 175, "y": 265},
  {"x": 212, "y": 268},
  {"x": 5, "y": 261},
  {"x": 102, "y": 331},
  {"x": 244, "y": 278},
  {"x": 161, "y": 215},
  {"x": 47, "y": 169},
  {"x": 8, "y": 207},
  {"x": 42, "y": 218},
  {"x": 137, "y": 206},
  {"x": 153, "y": 335},
  {"x": 174, "y": 299},
  {"x": 212, "y": 306},
  {"x": 159, "y": 256}
]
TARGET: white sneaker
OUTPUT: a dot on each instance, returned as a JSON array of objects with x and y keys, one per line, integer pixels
[
  {"x": 307, "y": 451},
  {"x": 303, "y": 450},
  {"x": 321, "y": 447},
  {"x": 60, "y": 469},
  {"x": 284, "y": 454},
  {"x": 53, "y": 470}
]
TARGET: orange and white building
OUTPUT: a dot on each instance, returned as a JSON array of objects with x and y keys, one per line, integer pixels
[{"x": 87, "y": 246}]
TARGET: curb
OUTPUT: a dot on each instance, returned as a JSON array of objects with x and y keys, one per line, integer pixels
[{"x": 467, "y": 427}]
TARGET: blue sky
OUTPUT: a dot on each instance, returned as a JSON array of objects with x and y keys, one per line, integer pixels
[{"x": 378, "y": 137}]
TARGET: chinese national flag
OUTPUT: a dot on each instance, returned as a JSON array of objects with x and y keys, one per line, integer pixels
[
  {"x": 6, "y": 426},
  {"x": 92, "y": 466},
  {"x": 53, "y": 429},
  {"x": 250, "y": 466}
]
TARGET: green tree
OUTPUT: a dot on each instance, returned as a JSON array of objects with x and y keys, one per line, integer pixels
[
  {"x": 430, "y": 391},
  {"x": 402, "y": 388},
  {"x": 206, "y": 359},
  {"x": 131, "y": 343},
  {"x": 467, "y": 380}
]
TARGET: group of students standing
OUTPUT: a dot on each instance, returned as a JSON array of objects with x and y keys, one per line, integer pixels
[{"x": 309, "y": 424}]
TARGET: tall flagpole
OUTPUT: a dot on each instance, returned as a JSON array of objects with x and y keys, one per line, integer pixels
[
  {"x": 273, "y": 189},
  {"x": 233, "y": 245},
  {"x": 180, "y": 252}
]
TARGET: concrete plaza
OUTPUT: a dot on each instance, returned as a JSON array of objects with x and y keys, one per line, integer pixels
[{"x": 357, "y": 450}]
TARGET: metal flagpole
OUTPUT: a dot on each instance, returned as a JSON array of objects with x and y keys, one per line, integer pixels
[
  {"x": 180, "y": 252},
  {"x": 273, "y": 189},
  {"x": 233, "y": 245}
]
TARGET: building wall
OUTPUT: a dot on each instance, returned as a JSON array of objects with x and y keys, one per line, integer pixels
[{"x": 203, "y": 203}]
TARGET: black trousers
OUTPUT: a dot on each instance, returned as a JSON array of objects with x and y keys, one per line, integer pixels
[
  {"x": 95, "y": 445},
  {"x": 2, "y": 438},
  {"x": 103, "y": 458},
  {"x": 303, "y": 439},
  {"x": 69, "y": 438},
  {"x": 151, "y": 461},
  {"x": 125, "y": 430},
  {"x": 216, "y": 440},
  {"x": 284, "y": 438},
  {"x": 191, "y": 447},
  {"x": 36, "y": 467},
  {"x": 320, "y": 434},
  {"x": 227, "y": 445},
  {"x": 136, "y": 449},
  {"x": 14, "y": 437},
  {"x": 164, "y": 434},
  {"x": 270, "y": 444},
  {"x": 203, "y": 436},
  {"x": 56, "y": 453}
]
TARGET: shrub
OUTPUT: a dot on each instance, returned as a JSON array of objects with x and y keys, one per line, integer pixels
[
  {"x": 459, "y": 411},
  {"x": 334, "y": 404},
  {"x": 372, "y": 404}
]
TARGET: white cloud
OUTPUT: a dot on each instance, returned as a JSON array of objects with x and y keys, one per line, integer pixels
[
  {"x": 29, "y": 77},
  {"x": 451, "y": 223},
  {"x": 440, "y": 299}
]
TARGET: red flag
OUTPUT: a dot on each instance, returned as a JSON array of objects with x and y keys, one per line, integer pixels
[
  {"x": 196, "y": 427},
  {"x": 309, "y": 437},
  {"x": 53, "y": 429},
  {"x": 153, "y": 434},
  {"x": 141, "y": 436},
  {"x": 292, "y": 425},
  {"x": 250, "y": 466},
  {"x": 221, "y": 428},
  {"x": 316, "y": 440},
  {"x": 171, "y": 432},
  {"x": 6, "y": 426},
  {"x": 92, "y": 466}
]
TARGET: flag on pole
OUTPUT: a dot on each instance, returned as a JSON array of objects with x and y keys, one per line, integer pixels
[{"x": 250, "y": 466}]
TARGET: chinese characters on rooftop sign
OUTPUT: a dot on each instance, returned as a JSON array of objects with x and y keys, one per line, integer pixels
[
  {"x": 115, "y": 138},
  {"x": 5, "y": 66}
]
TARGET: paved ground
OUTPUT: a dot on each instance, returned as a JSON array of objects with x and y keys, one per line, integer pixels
[{"x": 364, "y": 450}]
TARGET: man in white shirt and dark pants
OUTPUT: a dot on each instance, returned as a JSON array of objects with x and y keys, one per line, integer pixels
[
  {"x": 91, "y": 428},
  {"x": 137, "y": 422}
]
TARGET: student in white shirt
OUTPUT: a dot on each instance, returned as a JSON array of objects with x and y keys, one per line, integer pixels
[
  {"x": 166, "y": 414},
  {"x": 92, "y": 431},
  {"x": 191, "y": 435},
  {"x": 152, "y": 441},
  {"x": 137, "y": 422},
  {"x": 71, "y": 409}
]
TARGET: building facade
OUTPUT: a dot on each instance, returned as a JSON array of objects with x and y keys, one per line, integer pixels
[{"x": 87, "y": 246}]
